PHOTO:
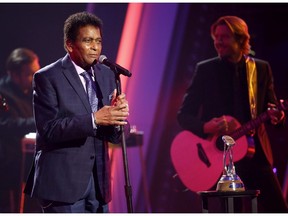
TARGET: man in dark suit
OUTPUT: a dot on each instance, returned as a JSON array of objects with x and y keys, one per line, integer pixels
[
  {"x": 17, "y": 121},
  {"x": 71, "y": 171},
  {"x": 235, "y": 84}
]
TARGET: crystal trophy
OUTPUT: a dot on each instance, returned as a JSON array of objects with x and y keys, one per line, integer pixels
[{"x": 229, "y": 180}]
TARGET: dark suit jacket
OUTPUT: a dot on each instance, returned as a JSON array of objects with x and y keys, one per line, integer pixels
[
  {"x": 209, "y": 96},
  {"x": 67, "y": 146}
]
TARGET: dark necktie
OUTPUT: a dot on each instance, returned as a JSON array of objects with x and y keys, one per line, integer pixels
[{"x": 91, "y": 90}]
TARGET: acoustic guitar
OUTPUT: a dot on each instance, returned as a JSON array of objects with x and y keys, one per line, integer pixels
[{"x": 199, "y": 162}]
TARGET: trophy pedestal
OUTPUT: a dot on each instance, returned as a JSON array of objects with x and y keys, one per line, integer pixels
[
  {"x": 228, "y": 201},
  {"x": 230, "y": 183}
]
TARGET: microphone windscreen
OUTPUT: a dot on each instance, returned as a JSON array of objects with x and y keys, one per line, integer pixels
[{"x": 102, "y": 58}]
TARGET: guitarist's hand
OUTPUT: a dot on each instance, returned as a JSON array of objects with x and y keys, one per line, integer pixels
[
  {"x": 219, "y": 126},
  {"x": 212, "y": 126},
  {"x": 276, "y": 115}
]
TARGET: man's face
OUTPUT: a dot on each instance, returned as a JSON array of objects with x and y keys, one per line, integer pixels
[
  {"x": 87, "y": 47},
  {"x": 225, "y": 43},
  {"x": 24, "y": 80}
]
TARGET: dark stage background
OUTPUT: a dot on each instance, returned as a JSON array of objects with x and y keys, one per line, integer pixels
[{"x": 39, "y": 27}]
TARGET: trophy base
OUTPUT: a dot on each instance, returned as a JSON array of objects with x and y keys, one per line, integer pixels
[{"x": 230, "y": 183}]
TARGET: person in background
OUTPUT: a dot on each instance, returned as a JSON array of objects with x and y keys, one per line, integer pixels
[
  {"x": 15, "y": 122},
  {"x": 238, "y": 85},
  {"x": 71, "y": 170}
]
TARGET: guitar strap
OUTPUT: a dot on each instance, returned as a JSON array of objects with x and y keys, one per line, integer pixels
[{"x": 252, "y": 86}]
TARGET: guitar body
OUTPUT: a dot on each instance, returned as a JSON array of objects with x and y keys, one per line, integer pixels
[{"x": 198, "y": 162}]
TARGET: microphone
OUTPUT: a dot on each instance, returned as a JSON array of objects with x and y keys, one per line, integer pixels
[{"x": 113, "y": 66}]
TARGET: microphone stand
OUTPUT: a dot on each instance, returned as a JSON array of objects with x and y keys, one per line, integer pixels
[{"x": 128, "y": 188}]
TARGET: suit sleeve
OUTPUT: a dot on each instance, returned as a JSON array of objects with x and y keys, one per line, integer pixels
[
  {"x": 56, "y": 121},
  {"x": 189, "y": 110}
]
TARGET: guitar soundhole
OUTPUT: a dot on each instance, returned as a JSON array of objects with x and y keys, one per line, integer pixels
[{"x": 220, "y": 143}]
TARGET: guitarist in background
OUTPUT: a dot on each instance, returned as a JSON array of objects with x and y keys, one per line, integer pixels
[
  {"x": 220, "y": 88},
  {"x": 17, "y": 121}
]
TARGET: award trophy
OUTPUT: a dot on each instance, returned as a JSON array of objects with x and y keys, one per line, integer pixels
[{"x": 229, "y": 181}]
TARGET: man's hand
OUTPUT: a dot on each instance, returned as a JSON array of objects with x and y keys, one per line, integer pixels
[
  {"x": 116, "y": 114},
  {"x": 220, "y": 126},
  {"x": 276, "y": 116}
]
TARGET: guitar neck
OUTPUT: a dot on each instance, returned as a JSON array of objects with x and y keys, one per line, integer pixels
[{"x": 255, "y": 123}]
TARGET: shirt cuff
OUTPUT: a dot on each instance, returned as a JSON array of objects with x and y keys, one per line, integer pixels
[{"x": 94, "y": 122}]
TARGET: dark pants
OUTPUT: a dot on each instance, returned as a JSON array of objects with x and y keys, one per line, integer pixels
[
  {"x": 87, "y": 204},
  {"x": 259, "y": 176}
]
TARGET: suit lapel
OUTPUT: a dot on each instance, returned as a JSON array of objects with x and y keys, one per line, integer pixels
[{"x": 70, "y": 73}]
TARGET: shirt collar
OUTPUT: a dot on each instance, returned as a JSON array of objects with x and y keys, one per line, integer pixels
[{"x": 80, "y": 69}]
